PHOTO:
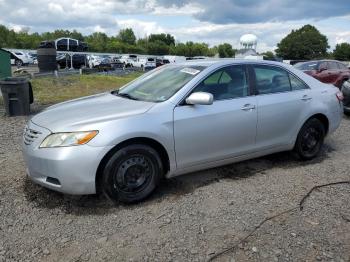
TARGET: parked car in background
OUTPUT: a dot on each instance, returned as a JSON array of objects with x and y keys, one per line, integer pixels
[
  {"x": 105, "y": 64},
  {"x": 64, "y": 61},
  {"x": 161, "y": 62},
  {"x": 69, "y": 44},
  {"x": 96, "y": 61},
  {"x": 175, "y": 59},
  {"x": 128, "y": 59},
  {"x": 20, "y": 58},
  {"x": 34, "y": 57},
  {"x": 346, "y": 93},
  {"x": 145, "y": 62},
  {"x": 116, "y": 63},
  {"x": 326, "y": 71},
  {"x": 177, "y": 119}
]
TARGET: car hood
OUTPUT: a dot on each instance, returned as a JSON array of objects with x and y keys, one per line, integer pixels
[{"x": 75, "y": 114}]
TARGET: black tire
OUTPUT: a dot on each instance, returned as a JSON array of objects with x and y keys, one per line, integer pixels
[
  {"x": 132, "y": 173},
  {"x": 19, "y": 63},
  {"x": 310, "y": 139}
]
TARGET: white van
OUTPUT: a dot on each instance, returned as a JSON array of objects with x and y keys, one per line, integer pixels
[
  {"x": 175, "y": 58},
  {"x": 145, "y": 62},
  {"x": 20, "y": 58}
]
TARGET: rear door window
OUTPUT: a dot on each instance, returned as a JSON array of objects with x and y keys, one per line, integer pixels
[
  {"x": 296, "y": 83},
  {"x": 270, "y": 79}
]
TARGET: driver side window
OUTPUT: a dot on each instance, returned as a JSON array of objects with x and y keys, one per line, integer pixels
[{"x": 226, "y": 83}]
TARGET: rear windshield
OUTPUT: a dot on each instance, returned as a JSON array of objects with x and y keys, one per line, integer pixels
[
  {"x": 160, "y": 84},
  {"x": 307, "y": 66}
]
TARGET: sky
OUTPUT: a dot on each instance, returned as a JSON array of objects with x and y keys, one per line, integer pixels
[{"x": 209, "y": 21}]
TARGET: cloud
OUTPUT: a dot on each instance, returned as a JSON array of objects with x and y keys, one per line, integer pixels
[
  {"x": 141, "y": 28},
  {"x": 209, "y": 21},
  {"x": 252, "y": 11}
]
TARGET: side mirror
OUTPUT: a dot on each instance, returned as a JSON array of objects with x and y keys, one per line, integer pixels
[{"x": 200, "y": 98}]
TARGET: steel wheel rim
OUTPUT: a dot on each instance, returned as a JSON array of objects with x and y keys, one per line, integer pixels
[
  {"x": 310, "y": 140},
  {"x": 134, "y": 174}
]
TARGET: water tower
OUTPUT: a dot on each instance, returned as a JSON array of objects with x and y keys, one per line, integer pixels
[{"x": 248, "y": 41}]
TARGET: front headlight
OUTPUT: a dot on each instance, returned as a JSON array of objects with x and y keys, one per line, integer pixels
[{"x": 68, "y": 139}]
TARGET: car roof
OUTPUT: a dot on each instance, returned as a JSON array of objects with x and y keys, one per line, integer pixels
[
  {"x": 318, "y": 61},
  {"x": 227, "y": 61}
]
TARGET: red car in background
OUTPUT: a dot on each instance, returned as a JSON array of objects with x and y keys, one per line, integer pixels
[{"x": 326, "y": 71}]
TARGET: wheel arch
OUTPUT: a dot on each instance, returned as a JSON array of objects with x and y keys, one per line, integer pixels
[
  {"x": 323, "y": 118},
  {"x": 161, "y": 150}
]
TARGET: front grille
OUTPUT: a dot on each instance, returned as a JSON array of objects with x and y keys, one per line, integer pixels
[{"x": 30, "y": 135}]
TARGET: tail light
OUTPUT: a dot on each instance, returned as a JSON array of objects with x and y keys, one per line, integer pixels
[{"x": 339, "y": 96}]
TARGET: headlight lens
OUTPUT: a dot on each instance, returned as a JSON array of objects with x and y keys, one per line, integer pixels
[{"x": 68, "y": 139}]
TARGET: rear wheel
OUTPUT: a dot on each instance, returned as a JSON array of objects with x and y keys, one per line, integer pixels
[
  {"x": 132, "y": 173},
  {"x": 310, "y": 139}
]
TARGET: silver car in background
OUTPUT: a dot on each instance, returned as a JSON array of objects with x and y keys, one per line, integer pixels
[{"x": 176, "y": 119}]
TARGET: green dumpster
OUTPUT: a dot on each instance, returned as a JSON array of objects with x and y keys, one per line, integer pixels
[{"x": 5, "y": 64}]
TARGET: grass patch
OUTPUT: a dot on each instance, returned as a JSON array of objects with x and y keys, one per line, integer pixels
[{"x": 50, "y": 90}]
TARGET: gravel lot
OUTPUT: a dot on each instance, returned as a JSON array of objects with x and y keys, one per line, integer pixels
[{"x": 190, "y": 218}]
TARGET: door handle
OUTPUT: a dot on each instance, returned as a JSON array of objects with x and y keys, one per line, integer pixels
[
  {"x": 247, "y": 107},
  {"x": 306, "y": 98}
]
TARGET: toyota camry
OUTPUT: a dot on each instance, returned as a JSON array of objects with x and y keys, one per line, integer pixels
[{"x": 177, "y": 119}]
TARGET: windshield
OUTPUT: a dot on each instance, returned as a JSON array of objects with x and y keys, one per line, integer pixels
[
  {"x": 306, "y": 66},
  {"x": 160, "y": 84}
]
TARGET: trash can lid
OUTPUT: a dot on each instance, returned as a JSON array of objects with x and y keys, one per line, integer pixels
[{"x": 14, "y": 81}]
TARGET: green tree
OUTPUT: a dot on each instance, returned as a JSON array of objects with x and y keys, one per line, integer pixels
[
  {"x": 127, "y": 36},
  {"x": 268, "y": 55},
  {"x": 342, "y": 52},
  {"x": 97, "y": 42},
  {"x": 165, "y": 38},
  {"x": 226, "y": 50},
  {"x": 304, "y": 43}
]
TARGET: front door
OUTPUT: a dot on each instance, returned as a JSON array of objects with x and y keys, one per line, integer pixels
[{"x": 227, "y": 128}]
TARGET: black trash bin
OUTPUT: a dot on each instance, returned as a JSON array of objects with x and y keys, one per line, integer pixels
[{"x": 17, "y": 95}]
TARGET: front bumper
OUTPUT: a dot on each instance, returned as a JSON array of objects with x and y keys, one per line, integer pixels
[{"x": 70, "y": 170}]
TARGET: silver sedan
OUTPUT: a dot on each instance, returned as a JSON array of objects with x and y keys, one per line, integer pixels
[{"x": 177, "y": 119}]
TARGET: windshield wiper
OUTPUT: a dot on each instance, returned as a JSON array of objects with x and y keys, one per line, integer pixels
[{"x": 127, "y": 96}]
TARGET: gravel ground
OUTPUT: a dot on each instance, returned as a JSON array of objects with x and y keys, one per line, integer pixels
[{"x": 190, "y": 218}]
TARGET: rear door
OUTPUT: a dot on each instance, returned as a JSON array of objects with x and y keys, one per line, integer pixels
[
  {"x": 282, "y": 100},
  {"x": 227, "y": 128}
]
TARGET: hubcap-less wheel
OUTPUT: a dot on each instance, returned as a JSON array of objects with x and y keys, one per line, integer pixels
[
  {"x": 310, "y": 139},
  {"x": 133, "y": 174}
]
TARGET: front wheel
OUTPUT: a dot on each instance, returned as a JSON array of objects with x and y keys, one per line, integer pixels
[
  {"x": 310, "y": 139},
  {"x": 19, "y": 63},
  {"x": 132, "y": 173}
]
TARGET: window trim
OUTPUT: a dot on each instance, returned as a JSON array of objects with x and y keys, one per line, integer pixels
[
  {"x": 182, "y": 101},
  {"x": 252, "y": 72}
]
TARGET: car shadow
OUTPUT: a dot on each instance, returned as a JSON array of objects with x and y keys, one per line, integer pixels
[
  {"x": 169, "y": 188},
  {"x": 188, "y": 183}
]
